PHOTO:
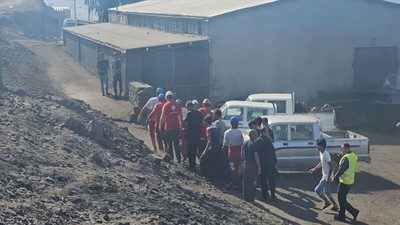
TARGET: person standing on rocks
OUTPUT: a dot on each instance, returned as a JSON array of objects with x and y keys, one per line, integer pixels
[
  {"x": 252, "y": 167},
  {"x": 171, "y": 121},
  {"x": 205, "y": 111},
  {"x": 210, "y": 160},
  {"x": 102, "y": 71},
  {"x": 233, "y": 141},
  {"x": 117, "y": 75},
  {"x": 152, "y": 120},
  {"x": 192, "y": 126}
]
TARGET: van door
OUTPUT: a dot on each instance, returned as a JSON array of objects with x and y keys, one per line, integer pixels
[
  {"x": 302, "y": 146},
  {"x": 281, "y": 144}
]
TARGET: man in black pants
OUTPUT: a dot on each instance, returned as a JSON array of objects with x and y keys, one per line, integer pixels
[
  {"x": 117, "y": 77},
  {"x": 102, "y": 71},
  {"x": 345, "y": 175},
  {"x": 192, "y": 125},
  {"x": 268, "y": 161}
]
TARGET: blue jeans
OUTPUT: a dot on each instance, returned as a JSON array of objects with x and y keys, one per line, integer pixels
[{"x": 323, "y": 188}]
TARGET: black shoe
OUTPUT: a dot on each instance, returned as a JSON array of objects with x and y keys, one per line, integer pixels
[
  {"x": 273, "y": 198},
  {"x": 103, "y": 94},
  {"x": 108, "y": 93},
  {"x": 178, "y": 160},
  {"x": 355, "y": 215},
  {"x": 266, "y": 198},
  {"x": 339, "y": 218}
]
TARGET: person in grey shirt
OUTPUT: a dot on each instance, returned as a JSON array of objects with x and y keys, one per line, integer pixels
[{"x": 220, "y": 125}]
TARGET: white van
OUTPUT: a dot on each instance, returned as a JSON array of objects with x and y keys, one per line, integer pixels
[{"x": 245, "y": 111}]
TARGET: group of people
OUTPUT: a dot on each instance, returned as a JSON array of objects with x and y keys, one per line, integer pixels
[
  {"x": 102, "y": 71},
  {"x": 190, "y": 131}
]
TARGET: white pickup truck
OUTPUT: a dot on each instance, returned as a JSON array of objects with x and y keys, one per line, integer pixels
[
  {"x": 285, "y": 105},
  {"x": 295, "y": 142},
  {"x": 245, "y": 111}
]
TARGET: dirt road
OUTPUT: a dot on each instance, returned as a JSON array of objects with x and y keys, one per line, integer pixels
[{"x": 375, "y": 193}]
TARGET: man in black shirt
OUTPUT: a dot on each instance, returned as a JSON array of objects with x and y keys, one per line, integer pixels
[
  {"x": 268, "y": 161},
  {"x": 192, "y": 125},
  {"x": 117, "y": 77},
  {"x": 102, "y": 70},
  {"x": 251, "y": 166}
]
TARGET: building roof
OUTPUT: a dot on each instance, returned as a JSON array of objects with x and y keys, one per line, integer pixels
[
  {"x": 287, "y": 119},
  {"x": 124, "y": 37},
  {"x": 190, "y": 8}
]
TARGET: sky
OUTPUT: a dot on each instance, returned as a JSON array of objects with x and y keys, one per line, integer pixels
[{"x": 81, "y": 8}]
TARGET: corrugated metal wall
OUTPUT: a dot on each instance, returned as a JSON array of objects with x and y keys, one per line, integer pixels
[{"x": 183, "y": 70}]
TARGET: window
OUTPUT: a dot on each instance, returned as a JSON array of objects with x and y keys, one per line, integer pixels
[
  {"x": 301, "y": 132},
  {"x": 280, "y": 106},
  {"x": 236, "y": 111},
  {"x": 280, "y": 132},
  {"x": 253, "y": 113}
]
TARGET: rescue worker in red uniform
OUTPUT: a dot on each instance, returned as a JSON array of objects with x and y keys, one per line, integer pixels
[
  {"x": 155, "y": 116},
  {"x": 205, "y": 111},
  {"x": 148, "y": 108},
  {"x": 233, "y": 141}
]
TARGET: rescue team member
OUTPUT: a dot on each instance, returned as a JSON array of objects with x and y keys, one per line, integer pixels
[
  {"x": 154, "y": 121},
  {"x": 270, "y": 131},
  {"x": 182, "y": 132},
  {"x": 345, "y": 175},
  {"x": 205, "y": 111},
  {"x": 102, "y": 70},
  {"x": 171, "y": 122},
  {"x": 251, "y": 165},
  {"x": 195, "y": 104},
  {"x": 192, "y": 127},
  {"x": 220, "y": 125},
  {"x": 268, "y": 161},
  {"x": 210, "y": 160},
  {"x": 324, "y": 186},
  {"x": 117, "y": 77},
  {"x": 233, "y": 140},
  {"x": 148, "y": 107}
]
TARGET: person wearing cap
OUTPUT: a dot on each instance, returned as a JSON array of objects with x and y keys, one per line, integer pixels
[
  {"x": 233, "y": 141},
  {"x": 171, "y": 122},
  {"x": 182, "y": 132},
  {"x": 152, "y": 120},
  {"x": 268, "y": 162},
  {"x": 117, "y": 77},
  {"x": 205, "y": 111},
  {"x": 270, "y": 131},
  {"x": 102, "y": 71},
  {"x": 195, "y": 104},
  {"x": 192, "y": 126}
]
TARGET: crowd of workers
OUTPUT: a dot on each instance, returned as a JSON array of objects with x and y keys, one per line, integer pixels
[{"x": 190, "y": 131}]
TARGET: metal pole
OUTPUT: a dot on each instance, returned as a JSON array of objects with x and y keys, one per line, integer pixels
[
  {"x": 88, "y": 10},
  {"x": 76, "y": 21}
]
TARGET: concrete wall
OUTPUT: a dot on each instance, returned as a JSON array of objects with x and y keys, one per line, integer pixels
[
  {"x": 71, "y": 44},
  {"x": 301, "y": 46},
  {"x": 88, "y": 53}
]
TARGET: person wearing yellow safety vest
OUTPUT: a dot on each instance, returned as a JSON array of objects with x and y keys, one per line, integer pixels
[{"x": 345, "y": 175}]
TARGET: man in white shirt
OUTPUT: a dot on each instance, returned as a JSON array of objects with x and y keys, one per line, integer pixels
[
  {"x": 148, "y": 107},
  {"x": 324, "y": 186}
]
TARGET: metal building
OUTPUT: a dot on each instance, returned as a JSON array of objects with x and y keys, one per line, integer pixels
[{"x": 177, "y": 62}]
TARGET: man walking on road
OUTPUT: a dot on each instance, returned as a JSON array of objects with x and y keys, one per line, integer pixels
[
  {"x": 345, "y": 175},
  {"x": 251, "y": 166},
  {"x": 192, "y": 126},
  {"x": 154, "y": 118},
  {"x": 171, "y": 121},
  {"x": 117, "y": 77},
  {"x": 268, "y": 161},
  {"x": 102, "y": 70},
  {"x": 233, "y": 141},
  {"x": 324, "y": 186}
]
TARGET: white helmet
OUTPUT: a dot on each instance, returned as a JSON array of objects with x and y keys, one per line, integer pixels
[
  {"x": 169, "y": 94},
  {"x": 195, "y": 102}
]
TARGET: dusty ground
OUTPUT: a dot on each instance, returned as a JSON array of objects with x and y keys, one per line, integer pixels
[
  {"x": 376, "y": 192},
  {"x": 51, "y": 172}
]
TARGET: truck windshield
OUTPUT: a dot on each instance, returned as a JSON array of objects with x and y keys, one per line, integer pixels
[
  {"x": 280, "y": 106},
  {"x": 253, "y": 113},
  {"x": 234, "y": 111}
]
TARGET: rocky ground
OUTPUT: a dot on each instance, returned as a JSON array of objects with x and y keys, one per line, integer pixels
[{"x": 63, "y": 162}]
